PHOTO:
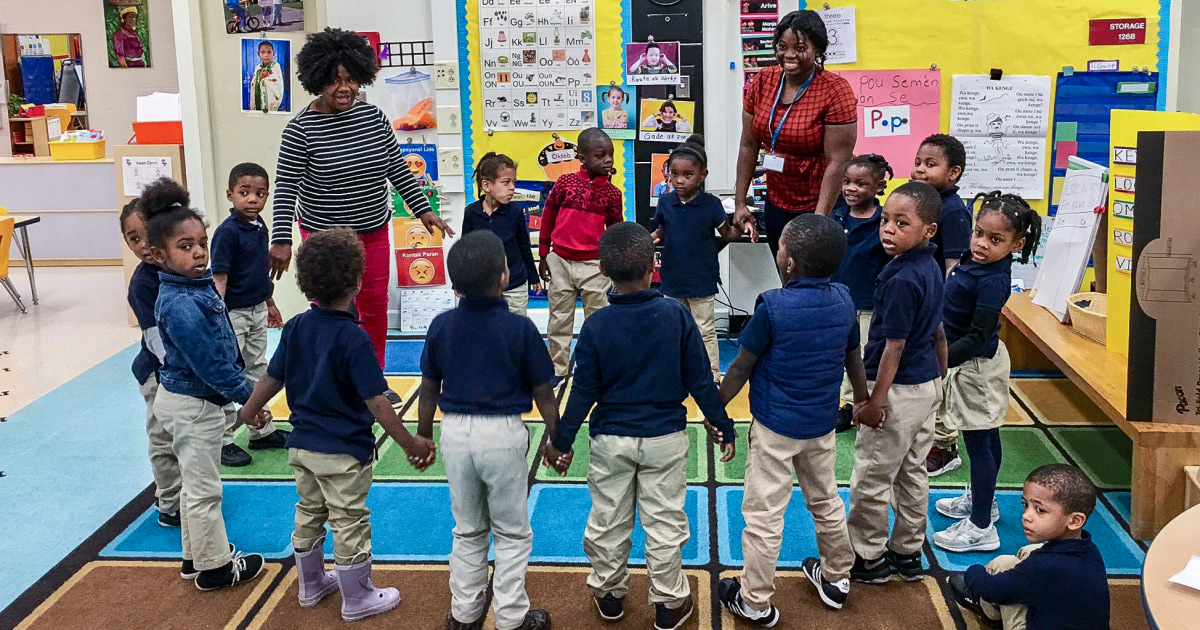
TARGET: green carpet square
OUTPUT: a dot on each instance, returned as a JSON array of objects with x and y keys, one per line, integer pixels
[
  {"x": 697, "y": 461},
  {"x": 271, "y": 463},
  {"x": 734, "y": 471},
  {"x": 1104, "y": 453},
  {"x": 393, "y": 463}
]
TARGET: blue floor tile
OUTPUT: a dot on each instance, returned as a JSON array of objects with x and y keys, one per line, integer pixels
[{"x": 559, "y": 515}]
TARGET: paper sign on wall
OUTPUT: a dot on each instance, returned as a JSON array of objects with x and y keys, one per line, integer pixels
[
  {"x": 1120, "y": 32},
  {"x": 1003, "y": 125},
  {"x": 843, "y": 35},
  {"x": 896, "y": 110},
  {"x": 418, "y": 307},
  {"x": 139, "y": 172}
]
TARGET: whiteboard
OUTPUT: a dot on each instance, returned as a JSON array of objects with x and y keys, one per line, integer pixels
[{"x": 1069, "y": 245}]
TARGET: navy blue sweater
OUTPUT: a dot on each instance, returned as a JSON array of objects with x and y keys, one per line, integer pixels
[
  {"x": 636, "y": 362},
  {"x": 1064, "y": 584}
]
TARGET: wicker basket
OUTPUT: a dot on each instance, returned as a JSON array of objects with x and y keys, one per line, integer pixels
[{"x": 1090, "y": 321}]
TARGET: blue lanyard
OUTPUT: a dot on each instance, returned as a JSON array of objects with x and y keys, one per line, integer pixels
[{"x": 778, "y": 96}]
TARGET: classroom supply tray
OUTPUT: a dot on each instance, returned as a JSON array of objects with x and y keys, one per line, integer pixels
[
  {"x": 1089, "y": 315},
  {"x": 66, "y": 151}
]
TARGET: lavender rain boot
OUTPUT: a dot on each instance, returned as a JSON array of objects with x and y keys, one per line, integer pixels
[
  {"x": 315, "y": 582},
  {"x": 360, "y": 598}
]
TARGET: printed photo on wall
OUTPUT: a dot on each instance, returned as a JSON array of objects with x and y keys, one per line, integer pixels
[
  {"x": 660, "y": 179},
  {"x": 266, "y": 75},
  {"x": 127, "y": 31},
  {"x": 618, "y": 110},
  {"x": 252, "y": 16},
  {"x": 652, "y": 63},
  {"x": 666, "y": 121}
]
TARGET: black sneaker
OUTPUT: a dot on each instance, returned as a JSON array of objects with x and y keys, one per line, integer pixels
[
  {"x": 908, "y": 567},
  {"x": 845, "y": 416},
  {"x": 394, "y": 399},
  {"x": 673, "y": 618},
  {"x": 276, "y": 439},
  {"x": 969, "y": 600},
  {"x": 169, "y": 520},
  {"x": 242, "y": 568},
  {"x": 536, "y": 619},
  {"x": 235, "y": 456},
  {"x": 454, "y": 624},
  {"x": 729, "y": 593},
  {"x": 940, "y": 460},
  {"x": 875, "y": 571},
  {"x": 611, "y": 608},
  {"x": 188, "y": 570},
  {"x": 833, "y": 594}
]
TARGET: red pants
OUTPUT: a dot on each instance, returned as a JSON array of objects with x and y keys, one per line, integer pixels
[{"x": 372, "y": 300}]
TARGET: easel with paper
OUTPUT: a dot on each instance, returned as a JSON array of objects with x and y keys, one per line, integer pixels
[{"x": 1069, "y": 245}]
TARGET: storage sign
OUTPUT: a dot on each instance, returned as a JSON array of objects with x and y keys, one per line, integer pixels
[{"x": 1117, "y": 32}]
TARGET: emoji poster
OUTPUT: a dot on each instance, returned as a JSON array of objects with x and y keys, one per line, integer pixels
[
  {"x": 419, "y": 254},
  {"x": 422, "y": 160},
  {"x": 538, "y": 64}
]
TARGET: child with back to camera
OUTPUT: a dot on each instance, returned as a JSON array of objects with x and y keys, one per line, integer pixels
[
  {"x": 335, "y": 390},
  {"x": 1058, "y": 582},
  {"x": 975, "y": 395},
  {"x": 201, "y": 375},
  {"x": 859, "y": 212},
  {"x": 495, "y": 182},
  {"x": 686, "y": 218}
]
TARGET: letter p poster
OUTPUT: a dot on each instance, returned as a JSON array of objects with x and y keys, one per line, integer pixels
[{"x": 896, "y": 110}]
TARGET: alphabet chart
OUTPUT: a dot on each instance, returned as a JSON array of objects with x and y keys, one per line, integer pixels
[{"x": 539, "y": 64}]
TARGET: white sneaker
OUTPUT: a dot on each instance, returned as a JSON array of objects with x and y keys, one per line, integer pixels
[
  {"x": 960, "y": 507},
  {"x": 965, "y": 536}
]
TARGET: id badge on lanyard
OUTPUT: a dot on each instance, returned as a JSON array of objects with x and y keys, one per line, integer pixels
[{"x": 773, "y": 161}]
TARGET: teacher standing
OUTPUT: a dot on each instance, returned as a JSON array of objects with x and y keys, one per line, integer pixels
[
  {"x": 335, "y": 161},
  {"x": 805, "y": 120}
]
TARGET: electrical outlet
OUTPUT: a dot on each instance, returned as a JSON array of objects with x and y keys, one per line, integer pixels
[
  {"x": 450, "y": 161},
  {"x": 445, "y": 75},
  {"x": 449, "y": 119}
]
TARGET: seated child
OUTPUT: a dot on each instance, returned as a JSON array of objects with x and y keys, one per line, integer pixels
[
  {"x": 495, "y": 181},
  {"x": 1059, "y": 582},
  {"x": 485, "y": 367},
  {"x": 686, "y": 218},
  {"x": 201, "y": 375},
  {"x": 793, "y": 352},
  {"x": 905, "y": 360},
  {"x": 975, "y": 394},
  {"x": 242, "y": 275},
  {"x": 335, "y": 390},
  {"x": 636, "y": 375},
  {"x": 939, "y": 162}
]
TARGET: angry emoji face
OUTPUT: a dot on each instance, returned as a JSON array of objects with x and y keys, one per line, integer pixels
[{"x": 421, "y": 271}]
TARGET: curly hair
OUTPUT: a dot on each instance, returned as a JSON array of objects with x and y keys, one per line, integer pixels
[
  {"x": 1071, "y": 488},
  {"x": 808, "y": 24},
  {"x": 317, "y": 62},
  {"x": 626, "y": 252},
  {"x": 164, "y": 204},
  {"x": 489, "y": 167},
  {"x": 1024, "y": 221},
  {"x": 926, "y": 199},
  {"x": 951, "y": 147},
  {"x": 329, "y": 265}
]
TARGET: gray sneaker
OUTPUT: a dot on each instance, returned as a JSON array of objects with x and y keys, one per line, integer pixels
[{"x": 959, "y": 507}]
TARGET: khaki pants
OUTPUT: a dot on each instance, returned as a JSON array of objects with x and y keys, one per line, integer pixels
[
  {"x": 864, "y": 325},
  {"x": 975, "y": 394},
  {"x": 333, "y": 488},
  {"x": 518, "y": 300},
  {"x": 704, "y": 312},
  {"x": 650, "y": 472},
  {"x": 774, "y": 460},
  {"x": 566, "y": 278},
  {"x": 487, "y": 471},
  {"x": 196, "y": 426},
  {"x": 1013, "y": 616},
  {"x": 163, "y": 463},
  {"x": 889, "y": 469},
  {"x": 250, "y": 326}
]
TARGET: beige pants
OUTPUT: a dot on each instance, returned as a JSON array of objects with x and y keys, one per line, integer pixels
[
  {"x": 864, "y": 326},
  {"x": 163, "y": 463},
  {"x": 774, "y": 460},
  {"x": 518, "y": 300},
  {"x": 889, "y": 469},
  {"x": 250, "y": 326},
  {"x": 975, "y": 394},
  {"x": 649, "y": 473},
  {"x": 196, "y": 426},
  {"x": 704, "y": 312},
  {"x": 1013, "y": 616},
  {"x": 566, "y": 278},
  {"x": 333, "y": 488}
]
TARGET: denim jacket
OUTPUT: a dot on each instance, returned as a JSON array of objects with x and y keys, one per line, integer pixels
[{"x": 201, "y": 352}]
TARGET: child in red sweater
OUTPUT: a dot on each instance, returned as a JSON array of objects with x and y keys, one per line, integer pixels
[{"x": 580, "y": 207}]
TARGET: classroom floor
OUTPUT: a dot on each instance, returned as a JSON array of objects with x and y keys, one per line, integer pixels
[{"x": 84, "y": 550}]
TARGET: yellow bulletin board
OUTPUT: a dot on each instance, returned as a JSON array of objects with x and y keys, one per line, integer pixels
[{"x": 1037, "y": 37}]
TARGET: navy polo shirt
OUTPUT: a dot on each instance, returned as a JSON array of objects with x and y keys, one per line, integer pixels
[
  {"x": 487, "y": 359},
  {"x": 865, "y": 256},
  {"x": 328, "y": 367},
  {"x": 239, "y": 249},
  {"x": 143, "y": 293},
  {"x": 953, "y": 235},
  {"x": 511, "y": 225},
  {"x": 689, "y": 260},
  {"x": 908, "y": 305},
  {"x": 974, "y": 287}
]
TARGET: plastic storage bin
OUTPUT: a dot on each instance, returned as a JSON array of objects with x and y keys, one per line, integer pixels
[
  {"x": 65, "y": 151},
  {"x": 164, "y": 132}
]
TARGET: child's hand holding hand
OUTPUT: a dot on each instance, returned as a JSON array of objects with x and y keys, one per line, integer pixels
[
  {"x": 868, "y": 414},
  {"x": 274, "y": 318},
  {"x": 421, "y": 451},
  {"x": 556, "y": 459},
  {"x": 537, "y": 287},
  {"x": 714, "y": 434},
  {"x": 657, "y": 235}
]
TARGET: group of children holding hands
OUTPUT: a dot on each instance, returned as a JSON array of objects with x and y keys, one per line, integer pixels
[{"x": 865, "y": 300}]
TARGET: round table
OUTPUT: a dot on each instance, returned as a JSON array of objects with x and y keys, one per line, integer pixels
[{"x": 1172, "y": 606}]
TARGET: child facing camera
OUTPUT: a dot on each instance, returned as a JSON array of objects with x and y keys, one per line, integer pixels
[{"x": 616, "y": 116}]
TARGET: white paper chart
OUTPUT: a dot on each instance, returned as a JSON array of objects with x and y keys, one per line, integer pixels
[
  {"x": 139, "y": 172},
  {"x": 538, "y": 62},
  {"x": 418, "y": 307},
  {"x": 1069, "y": 245},
  {"x": 1003, "y": 126}
]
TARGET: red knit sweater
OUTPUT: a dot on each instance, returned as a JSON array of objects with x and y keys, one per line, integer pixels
[{"x": 577, "y": 212}]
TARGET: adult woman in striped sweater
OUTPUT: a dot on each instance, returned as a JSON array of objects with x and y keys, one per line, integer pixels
[{"x": 335, "y": 160}]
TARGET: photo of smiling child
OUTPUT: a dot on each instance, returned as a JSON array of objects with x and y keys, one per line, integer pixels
[
  {"x": 651, "y": 63},
  {"x": 266, "y": 84},
  {"x": 615, "y": 105},
  {"x": 666, "y": 121}
]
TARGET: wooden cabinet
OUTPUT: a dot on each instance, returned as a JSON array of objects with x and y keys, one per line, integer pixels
[{"x": 30, "y": 136}]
